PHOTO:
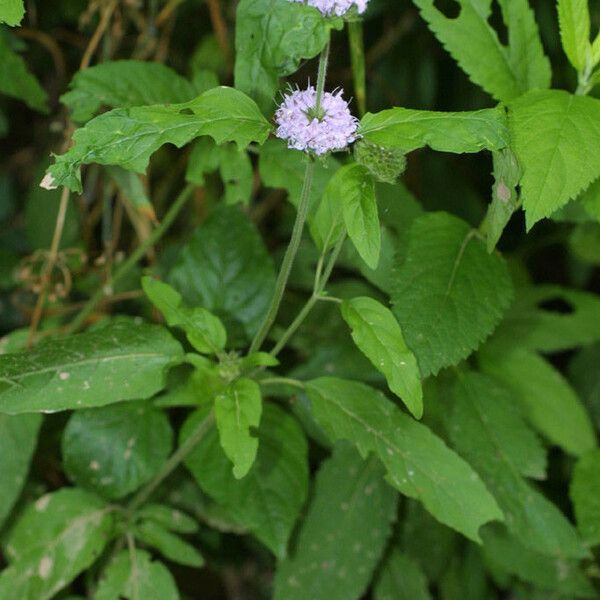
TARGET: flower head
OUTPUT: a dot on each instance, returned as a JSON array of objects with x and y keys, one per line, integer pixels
[
  {"x": 334, "y": 128},
  {"x": 336, "y": 7}
]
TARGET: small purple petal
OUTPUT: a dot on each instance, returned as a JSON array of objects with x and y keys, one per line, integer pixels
[
  {"x": 334, "y": 131},
  {"x": 336, "y": 7}
]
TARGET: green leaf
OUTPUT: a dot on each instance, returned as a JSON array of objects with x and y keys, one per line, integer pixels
[
  {"x": 238, "y": 409},
  {"x": 131, "y": 187},
  {"x": 556, "y": 137},
  {"x": 488, "y": 431},
  {"x": 55, "y": 539},
  {"x": 204, "y": 331},
  {"x": 226, "y": 269},
  {"x": 128, "y": 136},
  {"x": 585, "y": 494},
  {"x": 504, "y": 72},
  {"x": 121, "y": 361},
  {"x": 401, "y": 578},
  {"x": 268, "y": 500},
  {"x": 114, "y": 450},
  {"x": 531, "y": 323},
  {"x": 418, "y": 463},
  {"x": 354, "y": 188},
  {"x": 272, "y": 37},
  {"x": 18, "y": 439},
  {"x": 456, "y": 132},
  {"x": 344, "y": 532},
  {"x": 442, "y": 320},
  {"x": 505, "y": 553},
  {"x": 552, "y": 406},
  {"x": 505, "y": 197},
  {"x": 171, "y": 546},
  {"x": 378, "y": 335},
  {"x": 170, "y": 518},
  {"x": 574, "y": 19},
  {"x": 16, "y": 80},
  {"x": 134, "y": 576},
  {"x": 123, "y": 84},
  {"x": 11, "y": 12}
]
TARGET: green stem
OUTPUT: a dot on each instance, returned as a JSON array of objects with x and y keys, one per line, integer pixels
[
  {"x": 174, "y": 461},
  {"x": 357, "y": 56},
  {"x": 133, "y": 259},
  {"x": 282, "y": 381},
  {"x": 319, "y": 287},
  {"x": 301, "y": 215}
]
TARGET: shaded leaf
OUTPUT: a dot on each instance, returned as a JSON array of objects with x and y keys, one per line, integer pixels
[
  {"x": 585, "y": 494},
  {"x": 401, "y": 578}
]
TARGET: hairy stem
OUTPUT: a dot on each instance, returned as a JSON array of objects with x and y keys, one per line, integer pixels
[
  {"x": 357, "y": 56},
  {"x": 292, "y": 249},
  {"x": 133, "y": 259}
]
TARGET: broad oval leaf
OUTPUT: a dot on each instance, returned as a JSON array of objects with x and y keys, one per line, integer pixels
[
  {"x": 449, "y": 293},
  {"x": 114, "y": 450},
  {"x": 121, "y": 361},
  {"x": 418, "y": 463},
  {"x": 556, "y": 137},
  {"x": 377, "y": 334},
  {"x": 457, "y": 132},
  {"x": 56, "y": 538},
  {"x": 128, "y": 136},
  {"x": 267, "y": 501},
  {"x": 344, "y": 532},
  {"x": 226, "y": 269}
]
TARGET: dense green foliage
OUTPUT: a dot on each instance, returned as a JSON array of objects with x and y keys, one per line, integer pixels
[{"x": 232, "y": 369}]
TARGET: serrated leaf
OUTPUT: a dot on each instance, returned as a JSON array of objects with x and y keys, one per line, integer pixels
[
  {"x": 377, "y": 334},
  {"x": 11, "y": 12},
  {"x": 170, "y": 518},
  {"x": 344, "y": 532},
  {"x": 551, "y": 405},
  {"x": 401, "y": 578},
  {"x": 574, "y": 19},
  {"x": 237, "y": 409},
  {"x": 271, "y": 39},
  {"x": 204, "y": 331},
  {"x": 134, "y": 576},
  {"x": 442, "y": 319},
  {"x": 268, "y": 500},
  {"x": 505, "y": 72},
  {"x": 226, "y": 269},
  {"x": 55, "y": 539},
  {"x": 120, "y": 361},
  {"x": 18, "y": 439},
  {"x": 488, "y": 431},
  {"x": 585, "y": 495},
  {"x": 556, "y": 137},
  {"x": 16, "y": 80},
  {"x": 565, "y": 576},
  {"x": 127, "y": 137},
  {"x": 114, "y": 450},
  {"x": 123, "y": 84},
  {"x": 418, "y": 463},
  {"x": 171, "y": 546},
  {"x": 457, "y": 132}
]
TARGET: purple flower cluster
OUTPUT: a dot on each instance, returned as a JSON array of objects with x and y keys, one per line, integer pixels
[
  {"x": 336, "y": 7},
  {"x": 298, "y": 122}
]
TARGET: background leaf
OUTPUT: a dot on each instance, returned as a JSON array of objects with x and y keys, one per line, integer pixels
[
  {"x": 442, "y": 320},
  {"x": 585, "y": 494},
  {"x": 417, "y": 462},
  {"x": 121, "y": 361},
  {"x": 400, "y": 578},
  {"x": 344, "y": 532}
]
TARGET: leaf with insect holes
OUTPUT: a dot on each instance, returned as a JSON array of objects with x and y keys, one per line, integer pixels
[
  {"x": 344, "y": 532},
  {"x": 378, "y": 336},
  {"x": 129, "y": 136},
  {"x": 41, "y": 546},
  {"x": 418, "y": 463},
  {"x": 120, "y": 361}
]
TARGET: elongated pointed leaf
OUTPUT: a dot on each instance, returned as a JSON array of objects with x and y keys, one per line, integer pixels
[
  {"x": 585, "y": 494},
  {"x": 121, "y": 361},
  {"x": 417, "y": 462},
  {"x": 574, "y": 19}
]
